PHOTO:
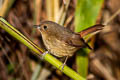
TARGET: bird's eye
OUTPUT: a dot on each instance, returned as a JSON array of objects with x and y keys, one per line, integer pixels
[{"x": 45, "y": 27}]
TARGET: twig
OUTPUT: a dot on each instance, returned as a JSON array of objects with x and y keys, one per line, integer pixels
[
  {"x": 37, "y": 11},
  {"x": 111, "y": 18},
  {"x": 62, "y": 13},
  {"x": 6, "y": 7},
  {"x": 1, "y": 2},
  {"x": 101, "y": 69}
]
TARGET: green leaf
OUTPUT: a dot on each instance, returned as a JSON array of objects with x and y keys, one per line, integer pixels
[
  {"x": 82, "y": 62},
  {"x": 86, "y": 13},
  {"x": 85, "y": 16}
]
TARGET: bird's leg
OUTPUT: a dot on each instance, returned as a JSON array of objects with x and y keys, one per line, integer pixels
[
  {"x": 43, "y": 55},
  {"x": 64, "y": 63}
]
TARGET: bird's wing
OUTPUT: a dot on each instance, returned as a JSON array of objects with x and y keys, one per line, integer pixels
[{"x": 77, "y": 41}]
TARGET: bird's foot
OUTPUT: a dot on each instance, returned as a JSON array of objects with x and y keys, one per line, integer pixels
[
  {"x": 61, "y": 67},
  {"x": 63, "y": 63},
  {"x": 43, "y": 55}
]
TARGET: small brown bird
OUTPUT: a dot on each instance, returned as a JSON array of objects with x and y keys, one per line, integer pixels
[{"x": 61, "y": 41}]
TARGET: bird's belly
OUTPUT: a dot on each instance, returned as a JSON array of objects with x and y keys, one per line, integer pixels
[{"x": 59, "y": 48}]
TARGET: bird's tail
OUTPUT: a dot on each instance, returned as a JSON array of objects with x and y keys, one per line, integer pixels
[{"x": 92, "y": 30}]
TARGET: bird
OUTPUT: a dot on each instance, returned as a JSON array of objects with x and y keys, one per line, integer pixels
[{"x": 61, "y": 41}]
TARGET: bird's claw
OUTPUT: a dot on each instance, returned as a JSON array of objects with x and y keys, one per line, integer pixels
[
  {"x": 43, "y": 55},
  {"x": 61, "y": 67}
]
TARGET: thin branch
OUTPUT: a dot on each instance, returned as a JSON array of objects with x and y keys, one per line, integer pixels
[
  {"x": 6, "y": 7},
  {"x": 111, "y": 18}
]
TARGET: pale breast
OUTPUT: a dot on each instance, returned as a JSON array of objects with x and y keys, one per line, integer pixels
[{"x": 59, "y": 48}]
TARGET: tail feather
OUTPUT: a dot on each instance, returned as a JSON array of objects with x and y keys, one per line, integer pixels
[{"x": 96, "y": 28}]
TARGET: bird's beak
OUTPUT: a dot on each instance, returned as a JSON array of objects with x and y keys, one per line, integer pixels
[{"x": 37, "y": 26}]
